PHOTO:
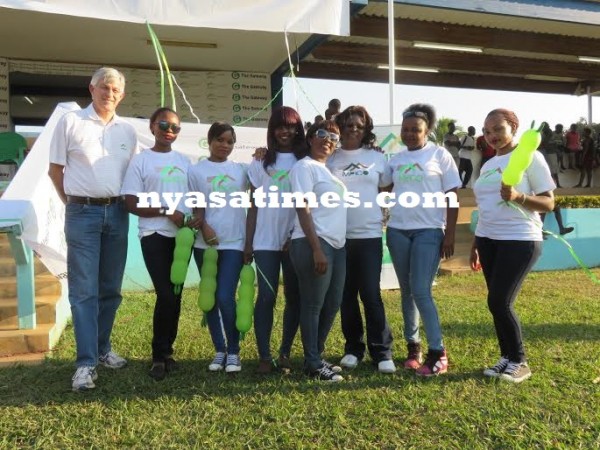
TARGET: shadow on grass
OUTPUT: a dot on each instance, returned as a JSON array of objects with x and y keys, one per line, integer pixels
[
  {"x": 50, "y": 383},
  {"x": 531, "y": 332}
]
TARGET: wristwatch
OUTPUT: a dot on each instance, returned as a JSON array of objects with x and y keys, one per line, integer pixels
[{"x": 162, "y": 211}]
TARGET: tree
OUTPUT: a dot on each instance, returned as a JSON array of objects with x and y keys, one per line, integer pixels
[{"x": 437, "y": 134}]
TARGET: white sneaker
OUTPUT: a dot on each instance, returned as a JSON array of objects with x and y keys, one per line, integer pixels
[
  {"x": 234, "y": 364},
  {"x": 386, "y": 366},
  {"x": 349, "y": 361},
  {"x": 112, "y": 360},
  {"x": 84, "y": 378},
  {"x": 218, "y": 362}
]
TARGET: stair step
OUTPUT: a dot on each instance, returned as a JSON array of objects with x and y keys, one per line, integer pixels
[
  {"x": 45, "y": 307},
  {"x": 45, "y": 284},
  {"x": 17, "y": 342},
  {"x": 27, "y": 359},
  {"x": 8, "y": 268}
]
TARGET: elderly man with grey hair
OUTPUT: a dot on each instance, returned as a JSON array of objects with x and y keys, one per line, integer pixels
[{"x": 89, "y": 154}]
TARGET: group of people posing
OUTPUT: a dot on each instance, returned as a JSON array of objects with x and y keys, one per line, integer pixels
[{"x": 330, "y": 257}]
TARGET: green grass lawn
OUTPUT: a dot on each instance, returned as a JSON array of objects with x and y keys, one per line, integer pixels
[{"x": 559, "y": 407}]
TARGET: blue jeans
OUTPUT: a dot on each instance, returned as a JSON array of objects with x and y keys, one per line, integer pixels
[
  {"x": 158, "y": 257},
  {"x": 222, "y": 316},
  {"x": 416, "y": 256},
  {"x": 268, "y": 264},
  {"x": 320, "y": 296},
  {"x": 363, "y": 273},
  {"x": 96, "y": 254}
]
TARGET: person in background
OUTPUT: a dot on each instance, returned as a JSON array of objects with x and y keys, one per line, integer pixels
[
  {"x": 587, "y": 158},
  {"x": 225, "y": 229},
  {"x": 333, "y": 109},
  {"x": 507, "y": 244},
  {"x": 363, "y": 170},
  {"x": 160, "y": 169},
  {"x": 552, "y": 144},
  {"x": 573, "y": 146},
  {"x": 487, "y": 151},
  {"x": 418, "y": 237},
  {"x": 268, "y": 231},
  {"x": 452, "y": 142},
  {"x": 318, "y": 119},
  {"x": 89, "y": 154},
  {"x": 465, "y": 167},
  {"x": 317, "y": 249}
]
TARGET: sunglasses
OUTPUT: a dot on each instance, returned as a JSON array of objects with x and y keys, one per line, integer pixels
[
  {"x": 164, "y": 126},
  {"x": 419, "y": 114},
  {"x": 324, "y": 134}
]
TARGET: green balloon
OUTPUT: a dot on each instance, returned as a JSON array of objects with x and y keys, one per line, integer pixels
[
  {"x": 208, "y": 271},
  {"x": 210, "y": 254},
  {"x": 184, "y": 239},
  {"x": 247, "y": 274},
  {"x": 185, "y": 236},
  {"x": 245, "y": 305},
  {"x": 178, "y": 272},
  {"x": 521, "y": 157}
]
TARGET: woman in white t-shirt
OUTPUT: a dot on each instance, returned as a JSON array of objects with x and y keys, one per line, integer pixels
[
  {"x": 508, "y": 238},
  {"x": 222, "y": 226},
  {"x": 363, "y": 170},
  {"x": 418, "y": 236},
  {"x": 268, "y": 231},
  {"x": 159, "y": 169},
  {"x": 317, "y": 247}
]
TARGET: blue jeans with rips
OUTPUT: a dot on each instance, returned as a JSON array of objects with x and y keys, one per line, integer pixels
[
  {"x": 222, "y": 316},
  {"x": 268, "y": 264},
  {"x": 96, "y": 254},
  {"x": 416, "y": 256},
  {"x": 320, "y": 296}
]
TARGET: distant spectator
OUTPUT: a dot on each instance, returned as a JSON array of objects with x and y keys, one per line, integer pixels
[
  {"x": 549, "y": 148},
  {"x": 333, "y": 109},
  {"x": 465, "y": 166},
  {"x": 586, "y": 161},
  {"x": 451, "y": 141},
  {"x": 318, "y": 119},
  {"x": 559, "y": 143},
  {"x": 573, "y": 143}
]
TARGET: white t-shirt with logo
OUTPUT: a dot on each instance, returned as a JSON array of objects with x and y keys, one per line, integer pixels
[
  {"x": 95, "y": 155},
  {"x": 466, "y": 141},
  {"x": 158, "y": 172},
  {"x": 362, "y": 171},
  {"x": 309, "y": 175},
  {"x": 224, "y": 178},
  {"x": 273, "y": 225},
  {"x": 430, "y": 169},
  {"x": 497, "y": 219}
]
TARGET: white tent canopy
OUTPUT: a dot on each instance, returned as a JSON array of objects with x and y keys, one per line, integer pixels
[{"x": 299, "y": 16}]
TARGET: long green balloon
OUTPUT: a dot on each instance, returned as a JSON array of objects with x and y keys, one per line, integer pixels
[
  {"x": 184, "y": 239},
  {"x": 245, "y": 305},
  {"x": 521, "y": 157},
  {"x": 208, "y": 280}
]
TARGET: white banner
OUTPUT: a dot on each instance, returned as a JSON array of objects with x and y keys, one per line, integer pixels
[
  {"x": 298, "y": 16},
  {"x": 32, "y": 191}
]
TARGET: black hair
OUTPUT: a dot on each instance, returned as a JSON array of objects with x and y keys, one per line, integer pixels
[
  {"x": 160, "y": 111},
  {"x": 284, "y": 116},
  {"x": 217, "y": 129},
  {"x": 424, "y": 111},
  {"x": 342, "y": 118}
]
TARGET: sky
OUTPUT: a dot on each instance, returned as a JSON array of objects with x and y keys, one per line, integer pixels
[{"x": 466, "y": 106}]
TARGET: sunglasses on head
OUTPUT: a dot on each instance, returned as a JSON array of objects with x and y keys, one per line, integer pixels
[
  {"x": 164, "y": 126},
  {"x": 419, "y": 114},
  {"x": 324, "y": 134}
]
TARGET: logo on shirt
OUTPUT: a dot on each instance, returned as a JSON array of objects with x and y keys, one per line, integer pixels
[
  {"x": 172, "y": 174},
  {"x": 222, "y": 183},
  {"x": 280, "y": 178},
  {"x": 355, "y": 169},
  {"x": 124, "y": 147},
  {"x": 410, "y": 173},
  {"x": 491, "y": 176}
]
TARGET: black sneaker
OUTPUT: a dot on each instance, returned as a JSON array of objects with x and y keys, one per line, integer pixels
[
  {"x": 171, "y": 364},
  {"x": 323, "y": 373},
  {"x": 496, "y": 370},
  {"x": 158, "y": 371},
  {"x": 516, "y": 372},
  {"x": 332, "y": 367}
]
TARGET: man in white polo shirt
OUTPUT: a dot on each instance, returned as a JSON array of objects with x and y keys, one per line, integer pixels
[{"x": 89, "y": 154}]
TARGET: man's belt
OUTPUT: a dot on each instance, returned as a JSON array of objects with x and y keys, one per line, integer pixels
[{"x": 93, "y": 201}]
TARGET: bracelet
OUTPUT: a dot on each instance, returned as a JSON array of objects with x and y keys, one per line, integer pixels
[{"x": 524, "y": 198}]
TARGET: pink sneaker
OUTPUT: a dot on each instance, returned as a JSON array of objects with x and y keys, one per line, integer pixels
[
  {"x": 415, "y": 356},
  {"x": 435, "y": 364}
]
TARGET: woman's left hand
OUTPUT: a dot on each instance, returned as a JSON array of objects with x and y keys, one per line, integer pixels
[
  {"x": 178, "y": 218},
  {"x": 260, "y": 153},
  {"x": 509, "y": 193},
  {"x": 447, "y": 250}
]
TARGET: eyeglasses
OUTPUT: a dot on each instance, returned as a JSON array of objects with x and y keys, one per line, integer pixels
[
  {"x": 419, "y": 114},
  {"x": 164, "y": 126},
  {"x": 324, "y": 134}
]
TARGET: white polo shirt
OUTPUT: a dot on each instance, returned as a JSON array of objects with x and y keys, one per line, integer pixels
[{"x": 95, "y": 155}]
